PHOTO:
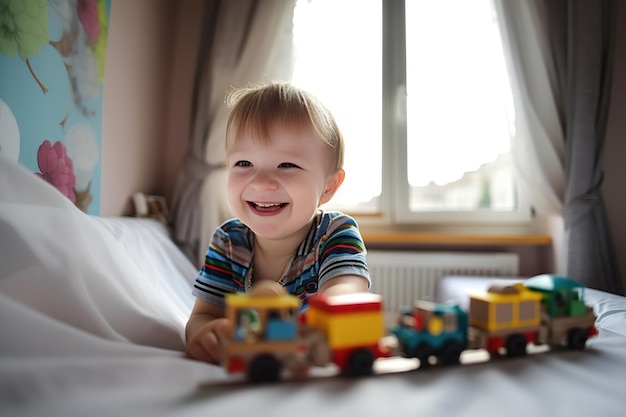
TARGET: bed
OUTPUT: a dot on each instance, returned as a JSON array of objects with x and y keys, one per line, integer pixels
[{"x": 92, "y": 315}]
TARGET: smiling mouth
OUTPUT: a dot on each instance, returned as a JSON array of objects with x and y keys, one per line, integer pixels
[{"x": 266, "y": 207}]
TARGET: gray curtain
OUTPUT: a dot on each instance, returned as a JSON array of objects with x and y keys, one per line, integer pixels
[
  {"x": 560, "y": 56},
  {"x": 185, "y": 217},
  {"x": 582, "y": 39}
]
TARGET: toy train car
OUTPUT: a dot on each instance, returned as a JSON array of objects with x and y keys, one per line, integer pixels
[{"x": 269, "y": 335}]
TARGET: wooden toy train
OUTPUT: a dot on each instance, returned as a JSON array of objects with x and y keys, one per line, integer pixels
[{"x": 270, "y": 335}]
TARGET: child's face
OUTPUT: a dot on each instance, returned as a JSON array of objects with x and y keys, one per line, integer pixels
[{"x": 275, "y": 188}]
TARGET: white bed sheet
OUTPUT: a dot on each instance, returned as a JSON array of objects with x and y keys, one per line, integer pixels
[{"x": 92, "y": 312}]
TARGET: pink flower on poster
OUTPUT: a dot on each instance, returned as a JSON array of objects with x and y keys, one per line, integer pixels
[
  {"x": 57, "y": 168},
  {"x": 88, "y": 16}
]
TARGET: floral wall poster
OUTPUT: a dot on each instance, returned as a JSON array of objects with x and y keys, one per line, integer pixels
[{"x": 52, "y": 56}]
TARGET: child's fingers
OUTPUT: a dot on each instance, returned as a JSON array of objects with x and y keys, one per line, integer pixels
[
  {"x": 196, "y": 349},
  {"x": 212, "y": 340},
  {"x": 209, "y": 346},
  {"x": 221, "y": 328}
]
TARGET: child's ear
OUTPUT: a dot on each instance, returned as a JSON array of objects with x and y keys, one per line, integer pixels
[{"x": 332, "y": 185}]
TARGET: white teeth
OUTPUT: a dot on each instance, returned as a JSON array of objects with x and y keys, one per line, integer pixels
[{"x": 267, "y": 205}]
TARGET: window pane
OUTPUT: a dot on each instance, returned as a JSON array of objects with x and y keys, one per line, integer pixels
[
  {"x": 339, "y": 59},
  {"x": 459, "y": 108}
]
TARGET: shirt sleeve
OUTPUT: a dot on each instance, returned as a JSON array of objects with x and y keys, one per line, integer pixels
[
  {"x": 342, "y": 252},
  {"x": 215, "y": 278}
]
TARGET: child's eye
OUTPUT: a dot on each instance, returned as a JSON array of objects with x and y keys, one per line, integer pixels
[
  {"x": 243, "y": 164},
  {"x": 287, "y": 165}
]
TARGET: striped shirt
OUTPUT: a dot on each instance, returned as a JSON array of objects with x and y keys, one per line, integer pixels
[{"x": 333, "y": 247}]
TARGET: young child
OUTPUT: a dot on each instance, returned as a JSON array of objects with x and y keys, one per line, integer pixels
[{"x": 285, "y": 157}]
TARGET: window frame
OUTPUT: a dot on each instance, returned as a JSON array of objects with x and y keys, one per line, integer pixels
[{"x": 395, "y": 191}]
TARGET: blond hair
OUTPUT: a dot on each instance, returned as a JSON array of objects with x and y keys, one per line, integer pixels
[{"x": 255, "y": 110}]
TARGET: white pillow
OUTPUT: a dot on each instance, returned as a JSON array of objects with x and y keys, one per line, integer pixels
[{"x": 66, "y": 274}]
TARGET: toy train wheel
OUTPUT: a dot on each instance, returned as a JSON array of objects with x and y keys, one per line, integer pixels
[
  {"x": 516, "y": 345},
  {"x": 577, "y": 339},
  {"x": 360, "y": 363},
  {"x": 264, "y": 368},
  {"x": 423, "y": 352},
  {"x": 451, "y": 353}
]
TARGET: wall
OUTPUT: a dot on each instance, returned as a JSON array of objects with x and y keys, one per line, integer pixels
[
  {"x": 148, "y": 75},
  {"x": 186, "y": 44},
  {"x": 615, "y": 148}
]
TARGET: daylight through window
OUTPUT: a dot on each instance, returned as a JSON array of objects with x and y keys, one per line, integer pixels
[{"x": 451, "y": 144}]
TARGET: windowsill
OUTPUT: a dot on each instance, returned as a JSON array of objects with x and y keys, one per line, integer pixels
[{"x": 410, "y": 239}]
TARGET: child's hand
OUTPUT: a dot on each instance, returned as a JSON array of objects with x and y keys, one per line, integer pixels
[{"x": 207, "y": 342}]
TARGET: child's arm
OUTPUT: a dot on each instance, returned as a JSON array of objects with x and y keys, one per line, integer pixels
[
  {"x": 205, "y": 331},
  {"x": 344, "y": 284}
]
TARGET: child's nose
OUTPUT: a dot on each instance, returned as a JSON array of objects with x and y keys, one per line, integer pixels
[{"x": 264, "y": 181}]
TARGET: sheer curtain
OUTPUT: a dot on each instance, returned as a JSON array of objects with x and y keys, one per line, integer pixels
[
  {"x": 243, "y": 42},
  {"x": 561, "y": 64},
  {"x": 539, "y": 148}
]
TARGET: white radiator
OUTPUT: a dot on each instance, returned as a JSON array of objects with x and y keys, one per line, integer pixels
[{"x": 403, "y": 277}]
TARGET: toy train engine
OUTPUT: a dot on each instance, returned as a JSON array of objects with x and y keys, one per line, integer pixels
[{"x": 264, "y": 336}]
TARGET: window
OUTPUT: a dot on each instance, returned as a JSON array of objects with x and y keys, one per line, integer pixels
[
  {"x": 338, "y": 49},
  {"x": 430, "y": 78}
]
